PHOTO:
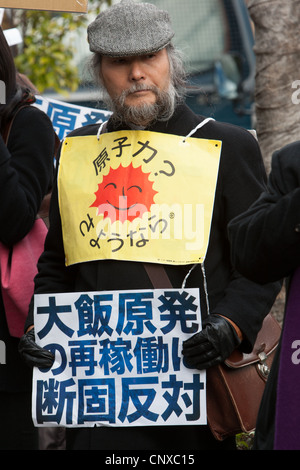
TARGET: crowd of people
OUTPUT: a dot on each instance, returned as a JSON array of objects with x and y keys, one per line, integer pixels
[{"x": 253, "y": 228}]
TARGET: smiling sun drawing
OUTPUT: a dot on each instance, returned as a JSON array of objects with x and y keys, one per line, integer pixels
[{"x": 124, "y": 194}]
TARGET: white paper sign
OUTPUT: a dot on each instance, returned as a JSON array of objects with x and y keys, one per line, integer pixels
[
  {"x": 13, "y": 36},
  {"x": 118, "y": 359}
]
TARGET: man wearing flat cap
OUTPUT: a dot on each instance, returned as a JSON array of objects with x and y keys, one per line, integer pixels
[{"x": 109, "y": 232}]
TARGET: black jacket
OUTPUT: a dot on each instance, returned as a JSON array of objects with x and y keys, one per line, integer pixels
[
  {"x": 26, "y": 175},
  {"x": 266, "y": 247},
  {"x": 266, "y": 239},
  {"x": 241, "y": 180}
]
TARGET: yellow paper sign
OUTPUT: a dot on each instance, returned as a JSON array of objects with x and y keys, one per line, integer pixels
[
  {"x": 77, "y": 6},
  {"x": 137, "y": 195}
]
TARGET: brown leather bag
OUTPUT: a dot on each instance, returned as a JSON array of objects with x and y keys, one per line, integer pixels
[{"x": 234, "y": 389}]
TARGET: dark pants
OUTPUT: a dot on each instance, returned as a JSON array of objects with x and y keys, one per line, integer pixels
[{"x": 145, "y": 438}]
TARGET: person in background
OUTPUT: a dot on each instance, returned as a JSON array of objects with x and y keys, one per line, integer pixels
[
  {"x": 143, "y": 80},
  {"x": 26, "y": 160},
  {"x": 266, "y": 248}
]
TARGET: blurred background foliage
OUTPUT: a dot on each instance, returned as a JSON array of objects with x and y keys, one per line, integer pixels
[{"x": 46, "y": 55}]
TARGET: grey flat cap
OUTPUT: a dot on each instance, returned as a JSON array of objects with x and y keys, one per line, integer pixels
[{"x": 130, "y": 29}]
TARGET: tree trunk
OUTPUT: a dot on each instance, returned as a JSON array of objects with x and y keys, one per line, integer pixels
[{"x": 277, "y": 49}]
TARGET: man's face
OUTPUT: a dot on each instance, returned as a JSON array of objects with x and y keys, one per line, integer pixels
[{"x": 136, "y": 77}]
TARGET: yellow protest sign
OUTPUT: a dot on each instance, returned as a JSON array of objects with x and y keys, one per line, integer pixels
[
  {"x": 137, "y": 195},
  {"x": 77, "y": 6}
]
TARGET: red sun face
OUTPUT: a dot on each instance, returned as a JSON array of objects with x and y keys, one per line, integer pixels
[{"x": 124, "y": 194}]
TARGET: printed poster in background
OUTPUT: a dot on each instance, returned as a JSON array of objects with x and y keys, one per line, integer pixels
[
  {"x": 76, "y": 6},
  {"x": 118, "y": 359},
  {"x": 66, "y": 117},
  {"x": 137, "y": 195}
]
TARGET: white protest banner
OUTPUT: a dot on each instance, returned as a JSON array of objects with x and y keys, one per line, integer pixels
[
  {"x": 66, "y": 117},
  {"x": 76, "y": 6},
  {"x": 118, "y": 359}
]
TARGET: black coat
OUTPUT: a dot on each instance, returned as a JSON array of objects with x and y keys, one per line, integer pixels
[
  {"x": 266, "y": 247},
  {"x": 25, "y": 177},
  {"x": 241, "y": 180}
]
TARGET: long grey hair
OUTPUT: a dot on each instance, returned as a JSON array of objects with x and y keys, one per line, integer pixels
[{"x": 171, "y": 98}]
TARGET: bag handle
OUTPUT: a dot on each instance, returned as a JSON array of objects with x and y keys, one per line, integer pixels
[
  {"x": 8, "y": 126},
  {"x": 158, "y": 276}
]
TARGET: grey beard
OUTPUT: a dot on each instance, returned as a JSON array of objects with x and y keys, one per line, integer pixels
[{"x": 144, "y": 114}]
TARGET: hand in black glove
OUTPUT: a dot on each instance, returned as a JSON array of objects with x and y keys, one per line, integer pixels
[
  {"x": 33, "y": 354},
  {"x": 212, "y": 345}
]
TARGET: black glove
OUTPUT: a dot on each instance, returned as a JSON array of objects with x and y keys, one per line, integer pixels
[
  {"x": 32, "y": 354},
  {"x": 212, "y": 345}
]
